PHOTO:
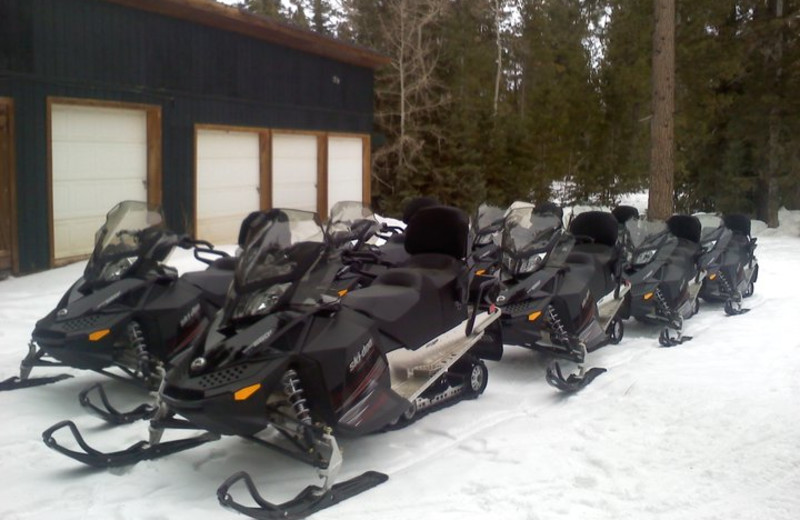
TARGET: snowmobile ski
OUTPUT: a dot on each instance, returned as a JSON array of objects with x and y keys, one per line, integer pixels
[
  {"x": 142, "y": 450},
  {"x": 573, "y": 383},
  {"x": 16, "y": 383},
  {"x": 108, "y": 412},
  {"x": 311, "y": 500}
]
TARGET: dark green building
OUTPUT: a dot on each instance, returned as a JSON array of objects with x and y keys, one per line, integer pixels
[{"x": 210, "y": 111}]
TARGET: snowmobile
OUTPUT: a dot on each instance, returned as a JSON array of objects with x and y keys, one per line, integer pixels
[
  {"x": 129, "y": 310},
  {"x": 731, "y": 267},
  {"x": 562, "y": 292},
  {"x": 665, "y": 275},
  {"x": 286, "y": 360}
]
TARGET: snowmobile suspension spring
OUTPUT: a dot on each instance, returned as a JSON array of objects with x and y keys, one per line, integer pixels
[
  {"x": 140, "y": 348},
  {"x": 555, "y": 322},
  {"x": 294, "y": 392}
]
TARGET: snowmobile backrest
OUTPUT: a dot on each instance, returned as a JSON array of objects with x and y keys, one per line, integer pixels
[
  {"x": 738, "y": 223},
  {"x": 601, "y": 226},
  {"x": 625, "y": 213},
  {"x": 416, "y": 204},
  {"x": 438, "y": 229},
  {"x": 687, "y": 227}
]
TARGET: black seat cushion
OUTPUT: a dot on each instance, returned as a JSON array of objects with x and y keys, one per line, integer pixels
[
  {"x": 438, "y": 229},
  {"x": 687, "y": 227},
  {"x": 738, "y": 223},
  {"x": 601, "y": 226}
]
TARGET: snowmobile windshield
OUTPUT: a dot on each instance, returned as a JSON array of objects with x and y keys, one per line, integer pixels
[
  {"x": 527, "y": 239},
  {"x": 286, "y": 247},
  {"x": 642, "y": 230},
  {"x": 488, "y": 221},
  {"x": 128, "y": 234},
  {"x": 709, "y": 224},
  {"x": 350, "y": 222}
]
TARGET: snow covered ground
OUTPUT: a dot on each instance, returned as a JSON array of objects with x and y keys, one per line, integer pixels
[{"x": 706, "y": 430}]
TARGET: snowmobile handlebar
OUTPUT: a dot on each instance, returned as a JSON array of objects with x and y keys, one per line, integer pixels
[{"x": 200, "y": 246}]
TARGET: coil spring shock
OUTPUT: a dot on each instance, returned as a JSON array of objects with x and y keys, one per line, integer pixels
[
  {"x": 139, "y": 346},
  {"x": 294, "y": 392},
  {"x": 556, "y": 324}
]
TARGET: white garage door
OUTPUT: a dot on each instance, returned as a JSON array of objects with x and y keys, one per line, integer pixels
[
  {"x": 228, "y": 181},
  {"x": 345, "y": 169},
  {"x": 99, "y": 159},
  {"x": 294, "y": 171}
]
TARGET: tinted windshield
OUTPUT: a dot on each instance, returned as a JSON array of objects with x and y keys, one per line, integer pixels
[
  {"x": 524, "y": 230},
  {"x": 128, "y": 232},
  {"x": 488, "y": 216},
  {"x": 288, "y": 242},
  {"x": 640, "y": 230},
  {"x": 709, "y": 223},
  {"x": 350, "y": 221}
]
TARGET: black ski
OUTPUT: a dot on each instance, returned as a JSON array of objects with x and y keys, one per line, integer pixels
[
  {"x": 140, "y": 451},
  {"x": 311, "y": 500},
  {"x": 110, "y": 414},
  {"x": 15, "y": 383},
  {"x": 573, "y": 383}
]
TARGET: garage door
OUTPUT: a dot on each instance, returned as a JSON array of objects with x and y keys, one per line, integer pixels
[
  {"x": 99, "y": 158},
  {"x": 345, "y": 169},
  {"x": 294, "y": 171},
  {"x": 228, "y": 181}
]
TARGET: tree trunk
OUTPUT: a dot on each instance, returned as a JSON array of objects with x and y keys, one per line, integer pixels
[
  {"x": 768, "y": 180},
  {"x": 662, "y": 129}
]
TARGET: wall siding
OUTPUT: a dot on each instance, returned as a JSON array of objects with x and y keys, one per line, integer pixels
[{"x": 196, "y": 74}]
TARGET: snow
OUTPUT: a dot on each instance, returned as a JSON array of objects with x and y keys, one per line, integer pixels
[{"x": 707, "y": 430}]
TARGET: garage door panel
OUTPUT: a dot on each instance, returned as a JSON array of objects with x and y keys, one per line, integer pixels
[
  {"x": 294, "y": 171},
  {"x": 99, "y": 158},
  {"x": 345, "y": 170},
  {"x": 228, "y": 179}
]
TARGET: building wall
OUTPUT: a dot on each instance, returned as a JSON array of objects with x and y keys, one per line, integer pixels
[{"x": 90, "y": 49}]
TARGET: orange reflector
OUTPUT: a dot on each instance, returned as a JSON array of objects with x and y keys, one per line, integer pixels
[
  {"x": 648, "y": 296},
  {"x": 246, "y": 392},
  {"x": 534, "y": 315},
  {"x": 342, "y": 292},
  {"x": 480, "y": 272},
  {"x": 99, "y": 334},
  {"x": 712, "y": 277}
]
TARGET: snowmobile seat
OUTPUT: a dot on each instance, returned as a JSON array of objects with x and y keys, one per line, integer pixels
[
  {"x": 584, "y": 269},
  {"x": 225, "y": 263},
  {"x": 687, "y": 227},
  {"x": 625, "y": 213},
  {"x": 738, "y": 223},
  {"x": 602, "y": 227},
  {"x": 404, "y": 303},
  {"x": 213, "y": 282}
]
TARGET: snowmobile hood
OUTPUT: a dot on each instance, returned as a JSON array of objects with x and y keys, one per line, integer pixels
[{"x": 75, "y": 305}]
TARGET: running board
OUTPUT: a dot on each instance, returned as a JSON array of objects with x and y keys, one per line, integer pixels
[
  {"x": 413, "y": 371},
  {"x": 608, "y": 306}
]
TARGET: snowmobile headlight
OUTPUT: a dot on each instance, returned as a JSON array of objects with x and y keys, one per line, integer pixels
[
  {"x": 525, "y": 265},
  {"x": 644, "y": 257},
  {"x": 261, "y": 301},
  {"x": 116, "y": 270}
]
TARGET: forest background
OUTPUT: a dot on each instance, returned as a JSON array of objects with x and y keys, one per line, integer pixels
[{"x": 502, "y": 100}]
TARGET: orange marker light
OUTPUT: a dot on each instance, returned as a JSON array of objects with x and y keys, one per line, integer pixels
[
  {"x": 712, "y": 277},
  {"x": 534, "y": 316},
  {"x": 342, "y": 292},
  {"x": 480, "y": 272},
  {"x": 246, "y": 392},
  {"x": 648, "y": 296},
  {"x": 99, "y": 334}
]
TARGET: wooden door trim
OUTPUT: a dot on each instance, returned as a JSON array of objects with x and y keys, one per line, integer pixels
[
  {"x": 8, "y": 103},
  {"x": 153, "y": 130}
]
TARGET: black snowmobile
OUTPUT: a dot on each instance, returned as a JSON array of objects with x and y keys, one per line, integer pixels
[
  {"x": 665, "y": 274},
  {"x": 731, "y": 267},
  {"x": 128, "y": 310},
  {"x": 562, "y": 292},
  {"x": 287, "y": 361}
]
